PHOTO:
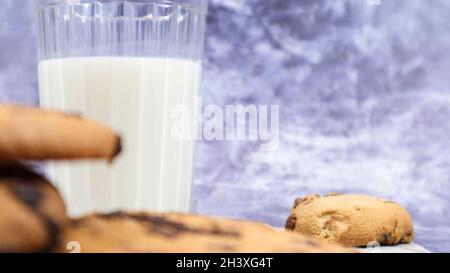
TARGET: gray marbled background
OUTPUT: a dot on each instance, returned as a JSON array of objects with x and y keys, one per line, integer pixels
[{"x": 364, "y": 94}]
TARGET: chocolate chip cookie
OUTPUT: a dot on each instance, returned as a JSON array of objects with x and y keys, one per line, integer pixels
[
  {"x": 168, "y": 233},
  {"x": 37, "y": 134},
  {"x": 352, "y": 220},
  {"x": 32, "y": 213}
]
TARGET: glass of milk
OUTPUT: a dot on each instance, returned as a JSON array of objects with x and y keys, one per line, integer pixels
[{"x": 134, "y": 65}]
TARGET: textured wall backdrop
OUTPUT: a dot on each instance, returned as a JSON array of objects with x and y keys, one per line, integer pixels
[{"x": 364, "y": 94}]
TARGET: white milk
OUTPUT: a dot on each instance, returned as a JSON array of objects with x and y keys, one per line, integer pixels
[{"x": 136, "y": 97}]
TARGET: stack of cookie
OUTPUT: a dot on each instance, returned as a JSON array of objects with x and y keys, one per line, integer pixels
[
  {"x": 33, "y": 216},
  {"x": 32, "y": 213}
]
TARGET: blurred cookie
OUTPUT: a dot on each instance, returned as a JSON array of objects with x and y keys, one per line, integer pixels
[
  {"x": 37, "y": 134},
  {"x": 352, "y": 220},
  {"x": 168, "y": 233},
  {"x": 32, "y": 213}
]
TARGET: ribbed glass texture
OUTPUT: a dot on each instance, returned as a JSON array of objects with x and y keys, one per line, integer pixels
[
  {"x": 74, "y": 28},
  {"x": 134, "y": 66}
]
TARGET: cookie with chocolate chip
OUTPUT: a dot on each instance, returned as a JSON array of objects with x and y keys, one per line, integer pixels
[
  {"x": 168, "y": 233},
  {"x": 352, "y": 220},
  {"x": 37, "y": 134},
  {"x": 32, "y": 213}
]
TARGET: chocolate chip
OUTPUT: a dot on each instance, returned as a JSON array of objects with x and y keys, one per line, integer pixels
[
  {"x": 290, "y": 222},
  {"x": 297, "y": 202},
  {"x": 384, "y": 239}
]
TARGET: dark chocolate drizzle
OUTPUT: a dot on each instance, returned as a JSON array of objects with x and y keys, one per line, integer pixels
[
  {"x": 14, "y": 170},
  {"x": 27, "y": 193},
  {"x": 118, "y": 148},
  {"x": 54, "y": 233},
  {"x": 24, "y": 183},
  {"x": 169, "y": 228}
]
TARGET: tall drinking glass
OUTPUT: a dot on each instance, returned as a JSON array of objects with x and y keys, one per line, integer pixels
[{"x": 134, "y": 65}]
